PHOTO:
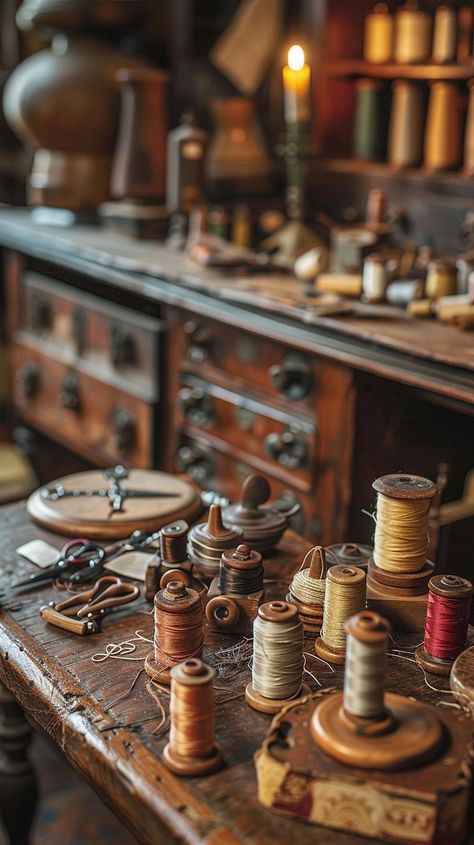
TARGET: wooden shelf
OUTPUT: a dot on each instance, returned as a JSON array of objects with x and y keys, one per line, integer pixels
[
  {"x": 444, "y": 180},
  {"x": 358, "y": 67}
]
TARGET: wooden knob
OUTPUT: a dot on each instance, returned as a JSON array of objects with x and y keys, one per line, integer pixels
[
  {"x": 277, "y": 611},
  {"x": 222, "y": 612},
  {"x": 255, "y": 492}
]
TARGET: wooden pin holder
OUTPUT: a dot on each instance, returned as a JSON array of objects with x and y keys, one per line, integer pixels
[
  {"x": 347, "y": 575},
  {"x": 273, "y": 611},
  {"x": 447, "y": 586},
  {"x": 234, "y": 613},
  {"x": 311, "y": 615},
  {"x": 208, "y": 540},
  {"x": 401, "y": 597},
  {"x": 401, "y": 776},
  {"x": 262, "y": 528},
  {"x": 174, "y": 598}
]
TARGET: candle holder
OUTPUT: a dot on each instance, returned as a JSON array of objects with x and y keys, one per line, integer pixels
[{"x": 295, "y": 237}]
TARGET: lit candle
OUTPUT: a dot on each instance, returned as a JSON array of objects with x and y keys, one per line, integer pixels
[{"x": 296, "y": 77}]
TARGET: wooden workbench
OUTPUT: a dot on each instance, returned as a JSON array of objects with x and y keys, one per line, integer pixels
[{"x": 50, "y": 674}]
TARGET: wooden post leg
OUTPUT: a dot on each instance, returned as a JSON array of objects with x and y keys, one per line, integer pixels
[{"x": 18, "y": 789}]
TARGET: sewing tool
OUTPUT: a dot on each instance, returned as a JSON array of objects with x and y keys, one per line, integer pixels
[
  {"x": 378, "y": 35},
  {"x": 178, "y": 633},
  {"x": 366, "y": 761},
  {"x": 191, "y": 749},
  {"x": 398, "y": 574},
  {"x": 262, "y": 528},
  {"x": 172, "y": 556},
  {"x": 352, "y": 554},
  {"x": 446, "y": 625},
  {"x": 412, "y": 34},
  {"x": 307, "y": 590},
  {"x": 277, "y": 666},
  {"x": 75, "y": 556},
  {"x": 83, "y": 613},
  {"x": 208, "y": 540},
  {"x": 345, "y": 596},
  {"x": 235, "y": 594}
]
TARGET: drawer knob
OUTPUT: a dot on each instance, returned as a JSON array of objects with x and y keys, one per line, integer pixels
[
  {"x": 28, "y": 379},
  {"x": 293, "y": 376},
  {"x": 40, "y": 312},
  {"x": 289, "y": 448},
  {"x": 124, "y": 428},
  {"x": 197, "y": 462},
  {"x": 69, "y": 394},
  {"x": 199, "y": 341},
  {"x": 196, "y": 405},
  {"x": 122, "y": 347}
]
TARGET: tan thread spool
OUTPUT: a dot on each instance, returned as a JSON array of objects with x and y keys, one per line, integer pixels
[
  {"x": 401, "y": 531},
  {"x": 307, "y": 590},
  {"x": 465, "y": 31},
  {"x": 378, "y": 35},
  {"x": 444, "y": 35},
  {"x": 441, "y": 279},
  {"x": 468, "y": 169},
  {"x": 405, "y": 137},
  {"x": 191, "y": 749},
  {"x": 443, "y": 141},
  {"x": 345, "y": 596},
  {"x": 463, "y": 321},
  {"x": 412, "y": 42}
]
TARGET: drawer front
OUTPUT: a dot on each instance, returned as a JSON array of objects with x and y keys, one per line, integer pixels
[
  {"x": 270, "y": 368},
  {"x": 282, "y": 443},
  {"x": 89, "y": 417},
  {"x": 107, "y": 340},
  {"x": 219, "y": 472}
]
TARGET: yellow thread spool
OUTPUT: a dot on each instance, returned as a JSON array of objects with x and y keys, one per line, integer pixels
[
  {"x": 345, "y": 596},
  {"x": 412, "y": 35},
  {"x": 378, "y": 35},
  {"x": 443, "y": 141}
]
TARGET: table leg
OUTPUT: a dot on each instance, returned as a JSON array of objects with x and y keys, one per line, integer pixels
[{"x": 18, "y": 789}]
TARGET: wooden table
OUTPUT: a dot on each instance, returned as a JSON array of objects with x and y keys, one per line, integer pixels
[{"x": 49, "y": 674}]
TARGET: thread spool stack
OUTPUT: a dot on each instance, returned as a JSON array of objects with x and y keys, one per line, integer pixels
[
  {"x": 350, "y": 554},
  {"x": 262, "y": 528},
  {"x": 446, "y": 625},
  {"x": 277, "y": 668},
  {"x": 191, "y": 749},
  {"x": 307, "y": 591},
  {"x": 171, "y": 557},
  {"x": 399, "y": 572},
  {"x": 345, "y": 596},
  {"x": 208, "y": 540},
  {"x": 234, "y": 596},
  {"x": 178, "y": 631}
]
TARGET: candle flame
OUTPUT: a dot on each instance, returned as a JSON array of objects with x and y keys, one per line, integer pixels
[{"x": 296, "y": 57}]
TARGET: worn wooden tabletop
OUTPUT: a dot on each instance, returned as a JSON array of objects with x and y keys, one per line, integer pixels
[{"x": 117, "y": 747}]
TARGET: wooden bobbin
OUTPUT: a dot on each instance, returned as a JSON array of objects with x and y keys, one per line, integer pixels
[
  {"x": 174, "y": 598},
  {"x": 311, "y": 615},
  {"x": 347, "y": 575},
  {"x": 168, "y": 558},
  {"x": 405, "y": 486},
  {"x": 262, "y": 528},
  {"x": 231, "y": 612},
  {"x": 207, "y": 541},
  {"x": 404, "y": 734},
  {"x": 451, "y": 587},
  {"x": 273, "y": 611},
  {"x": 191, "y": 673}
]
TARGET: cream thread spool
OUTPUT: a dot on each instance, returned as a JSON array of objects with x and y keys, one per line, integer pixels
[
  {"x": 345, "y": 595},
  {"x": 374, "y": 279},
  {"x": 365, "y": 667},
  {"x": 191, "y": 750},
  {"x": 278, "y": 662},
  {"x": 412, "y": 42},
  {"x": 378, "y": 35},
  {"x": 443, "y": 132},
  {"x": 405, "y": 136},
  {"x": 307, "y": 590},
  {"x": 444, "y": 35}
]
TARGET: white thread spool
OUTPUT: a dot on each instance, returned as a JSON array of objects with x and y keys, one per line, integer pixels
[
  {"x": 374, "y": 279},
  {"x": 365, "y": 669}
]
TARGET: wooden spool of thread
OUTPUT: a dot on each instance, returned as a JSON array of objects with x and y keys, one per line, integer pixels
[
  {"x": 443, "y": 133},
  {"x": 441, "y": 279},
  {"x": 191, "y": 749},
  {"x": 173, "y": 542},
  {"x": 307, "y": 590},
  {"x": 277, "y": 668},
  {"x": 444, "y": 35},
  {"x": 468, "y": 168},
  {"x": 405, "y": 137},
  {"x": 240, "y": 577},
  {"x": 412, "y": 35},
  {"x": 378, "y": 35},
  {"x": 370, "y": 124},
  {"x": 345, "y": 596},
  {"x": 365, "y": 727},
  {"x": 208, "y": 540},
  {"x": 178, "y": 633},
  {"x": 447, "y": 621}
]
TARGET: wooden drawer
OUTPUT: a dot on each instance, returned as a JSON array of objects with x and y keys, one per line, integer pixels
[
  {"x": 214, "y": 470},
  {"x": 107, "y": 340},
  {"x": 90, "y": 417},
  {"x": 283, "y": 444}
]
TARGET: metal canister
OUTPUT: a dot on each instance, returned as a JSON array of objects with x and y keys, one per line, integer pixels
[
  {"x": 469, "y": 134},
  {"x": 370, "y": 134},
  {"x": 412, "y": 42},
  {"x": 441, "y": 279},
  {"x": 405, "y": 137},
  {"x": 443, "y": 133},
  {"x": 444, "y": 35},
  {"x": 378, "y": 35},
  {"x": 374, "y": 279}
]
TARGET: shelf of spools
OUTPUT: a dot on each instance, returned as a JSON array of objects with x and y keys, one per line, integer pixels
[{"x": 354, "y": 68}]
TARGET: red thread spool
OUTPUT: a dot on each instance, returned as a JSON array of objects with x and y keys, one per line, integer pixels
[{"x": 446, "y": 625}]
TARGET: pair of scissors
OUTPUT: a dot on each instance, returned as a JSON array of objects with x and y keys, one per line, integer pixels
[
  {"x": 74, "y": 556},
  {"x": 83, "y": 612}
]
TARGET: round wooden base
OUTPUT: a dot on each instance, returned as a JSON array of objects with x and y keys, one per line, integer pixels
[
  {"x": 433, "y": 664},
  {"x": 461, "y": 679},
  {"x": 190, "y": 766},
  {"x": 417, "y": 735},
  {"x": 156, "y": 671},
  {"x": 330, "y": 654},
  {"x": 402, "y": 583},
  {"x": 310, "y": 615},
  {"x": 270, "y": 705}
]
